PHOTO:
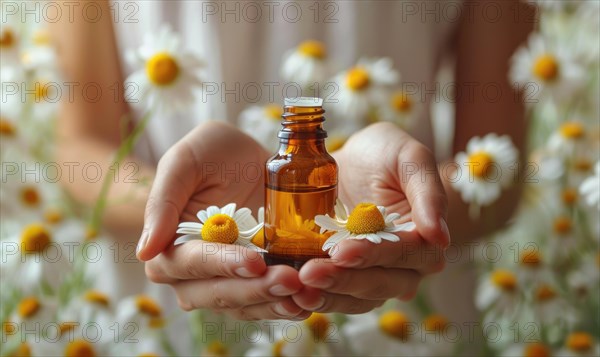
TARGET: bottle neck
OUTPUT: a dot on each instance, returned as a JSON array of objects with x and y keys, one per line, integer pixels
[{"x": 302, "y": 124}]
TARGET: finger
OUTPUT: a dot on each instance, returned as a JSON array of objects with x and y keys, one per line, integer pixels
[
  {"x": 203, "y": 260},
  {"x": 370, "y": 284},
  {"x": 411, "y": 252},
  {"x": 226, "y": 293},
  {"x": 425, "y": 192},
  {"x": 286, "y": 309},
  {"x": 311, "y": 299},
  {"x": 172, "y": 188}
]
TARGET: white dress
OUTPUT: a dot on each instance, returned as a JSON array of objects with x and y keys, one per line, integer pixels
[{"x": 243, "y": 42}]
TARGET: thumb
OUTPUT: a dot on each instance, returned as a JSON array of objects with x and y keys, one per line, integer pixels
[{"x": 171, "y": 190}]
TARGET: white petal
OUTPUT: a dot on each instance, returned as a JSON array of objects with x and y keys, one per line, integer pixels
[
  {"x": 335, "y": 239},
  {"x": 374, "y": 238},
  {"x": 249, "y": 245},
  {"x": 251, "y": 232},
  {"x": 184, "y": 239},
  {"x": 328, "y": 224},
  {"x": 202, "y": 216},
  {"x": 341, "y": 212},
  {"x": 392, "y": 217},
  {"x": 229, "y": 209},
  {"x": 388, "y": 236},
  {"x": 212, "y": 210},
  {"x": 194, "y": 225},
  {"x": 188, "y": 231}
]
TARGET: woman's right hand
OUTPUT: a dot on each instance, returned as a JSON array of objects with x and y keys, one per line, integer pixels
[{"x": 213, "y": 165}]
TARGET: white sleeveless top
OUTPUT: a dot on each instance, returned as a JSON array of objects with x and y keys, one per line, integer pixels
[{"x": 243, "y": 42}]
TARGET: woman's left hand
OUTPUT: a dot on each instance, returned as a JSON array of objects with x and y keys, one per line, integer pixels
[{"x": 383, "y": 165}]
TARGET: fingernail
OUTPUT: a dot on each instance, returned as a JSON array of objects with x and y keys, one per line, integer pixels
[
  {"x": 320, "y": 303},
  {"x": 245, "y": 273},
  {"x": 280, "y": 290},
  {"x": 279, "y": 309},
  {"x": 446, "y": 231},
  {"x": 142, "y": 243},
  {"x": 323, "y": 282}
]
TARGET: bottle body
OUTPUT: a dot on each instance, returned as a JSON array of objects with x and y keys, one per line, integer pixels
[{"x": 301, "y": 182}]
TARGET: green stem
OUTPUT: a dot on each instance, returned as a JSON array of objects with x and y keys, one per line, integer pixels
[{"x": 124, "y": 150}]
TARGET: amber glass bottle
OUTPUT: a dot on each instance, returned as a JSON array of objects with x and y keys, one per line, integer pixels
[{"x": 301, "y": 182}]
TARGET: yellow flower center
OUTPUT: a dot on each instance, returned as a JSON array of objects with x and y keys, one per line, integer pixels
[
  {"x": 504, "y": 280},
  {"x": 157, "y": 322},
  {"x": 7, "y": 38},
  {"x": 435, "y": 323},
  {"x": 90, "y": 233},
  {"x": 546, "y": 67},
  {"x": 96, "y": 297},
  {"x": 562, "y": 225},
  {"x": 148, "y": 354},
  {"x": 319, "y": 325},
  {"x": 401, "y": 102},
  {"x": 572, "y": 130},
  {"x": 544, "y": 293},
  {"x": 30, "y": 196},
  {"x": 9, "y": 328},
  {"x": 365, "y": 218},
  {"x": 220, "y": 228},
  {"x": 41, "y": 37},
  {"x": 569, "y": 196},
  {"x": 273, "y": 112},
  {"x": 79, "y": 348},
  {"x": 217, "y": 348},
  {"x": 23, "y": 350},
  {"x": 395, "y": 324},
  {"x": 313, "y": 49},
  {"x": 28, "y": 307},
  {"x": 66, "y": 327},
  {"x": 531, "y": 258},
  {"x": 7, "y": 128},
  {"x": 42, "y": 91},
  {"x": 148, "y": 306},
  {"x": 479, "y": 163},
  {"x": 580, "y": 342},
  {"x": 34, "y": 239},
  {"x": 53, "y": 216},
  {"x": 582, "y": 165},
  {"x": 357, "y": 79},
  {"x": 277, "y": 348},
  {"x": 536, "y": 350},
  {"x": 162, "y": 69}
]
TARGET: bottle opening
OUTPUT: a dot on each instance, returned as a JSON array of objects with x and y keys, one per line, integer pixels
[{"x": 305, "y": 102}]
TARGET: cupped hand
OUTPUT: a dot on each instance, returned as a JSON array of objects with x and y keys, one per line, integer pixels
[
  {"x": 381, "y": 164},
  {"x": 213, "y": 165}
]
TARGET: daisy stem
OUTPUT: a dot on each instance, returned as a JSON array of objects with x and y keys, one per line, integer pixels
[{"x": 122, "y": 152}]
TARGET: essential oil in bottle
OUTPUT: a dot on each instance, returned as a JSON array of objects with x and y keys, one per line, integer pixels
[{"x": 301, "y": 182}]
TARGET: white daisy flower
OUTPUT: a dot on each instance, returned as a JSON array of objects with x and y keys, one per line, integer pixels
[
  {"x": 585, "y": 278},
  {"x": 552, "y": 70},
  {"x": 40, "y": 52},
  {"x": 31, "y": 313},
  {"x": 146, "y": 314},
  {"x": 390, "y": 334},
  {"x": 434, "y": 330},
  {"x": 401, "y": 108},
  {"x": 296, "y": 339},
  {"x": 360, "y": 90},
  {"x": 167, "y": 76},
  {"x": 77, "y": 338},
  {"x": 551, "y": 308},
  {"x": 37, "y": 257},
  {"x": 262, "y": 123},
  {"x": 306, "y": 64},
  {"x": 498, "y": 293},
  {"x": 569, "y": 139},
  {"x": 580, "y": 344},
  {"x": 590, "y": 188},
  {"x": 92, "y": 306},
  {"x": 222, "y": 225},
  {"x": 485, "y": 168},
  {"x": 532, "y": 267},
  {"x": 563, "y": 237},
  {"x": 366, "y": 221}
]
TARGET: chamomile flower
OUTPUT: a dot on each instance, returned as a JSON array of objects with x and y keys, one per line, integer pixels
[
  {"x": 10, "y": 43},
  {"x": 580, "y": 344},
  {"x": 532, "y": 267},
  {"x": 40, "y": 52},
  {"x": 32, "y": 313},
  {"x": 294, "y": 339},
  {"x": 306, "y": 64},
  {"x": 262, "y": 123},
  {"x": 76, "y": 338},
  {"x": 568, "y": 139},
  {"x": 166, "y": 76},
  {"x": 531, "y": 349},
  {"x": 401, "y": 108},
  {"x": 590, "y": 188},
  {"x": 434, "y": 335},
  {"x": 498, "y": 292},
  {"x": 550, "y": 68},
  {"x": 390, "y": 334},
  {"x": 360, "y": 89},
  {"x": 366, "y": 221},
  {"x": 92, "y": 306},
  {"x": 550, "y": 307},
  {"x": 585, "y": 278},
  {"x": 485, "y": 168},
  {"x": 35, "y": 258},
  {"x": 222, "y": 225}
]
